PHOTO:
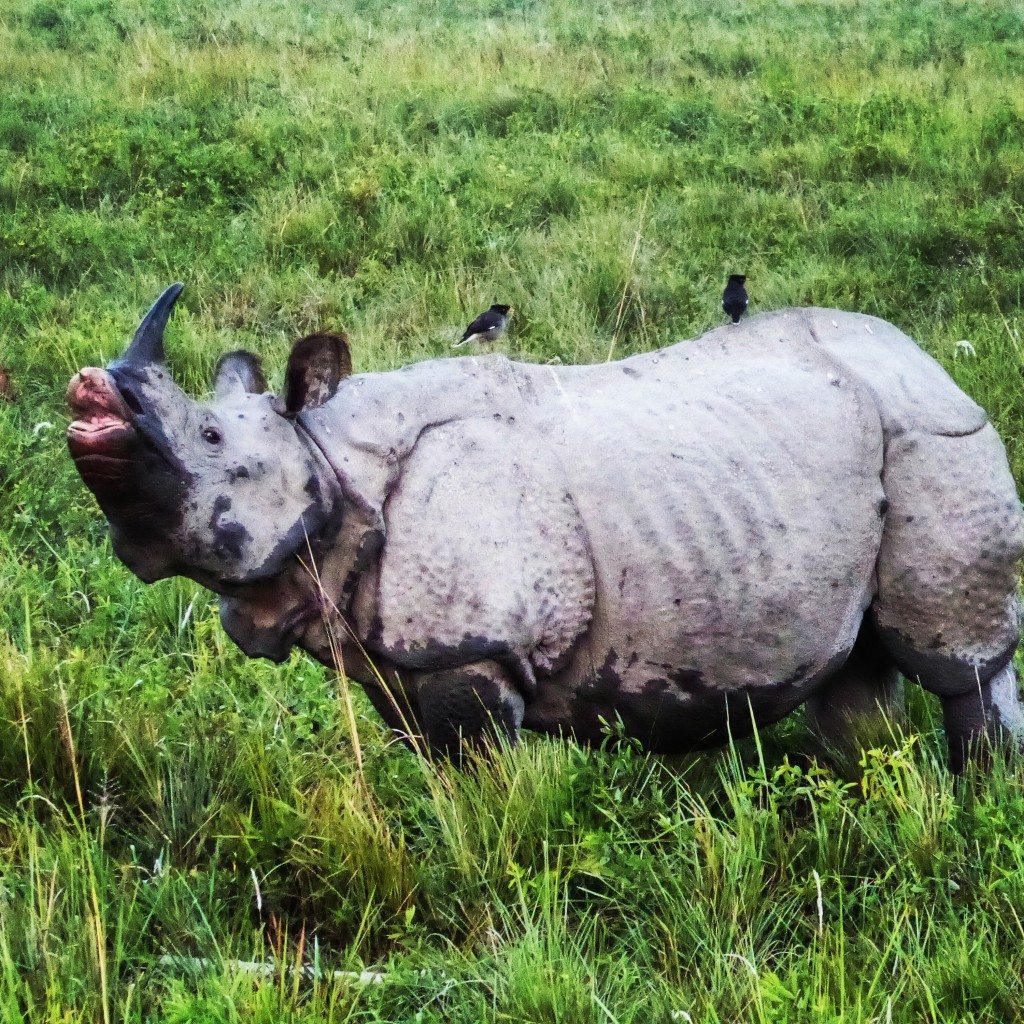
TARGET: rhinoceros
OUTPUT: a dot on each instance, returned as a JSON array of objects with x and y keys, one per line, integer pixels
[{"x": 683, "y": 545}]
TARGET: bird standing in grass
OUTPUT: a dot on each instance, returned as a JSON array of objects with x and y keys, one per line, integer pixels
[
  {"x": 488, "y": 326},
  {"x": 734, "y": 298}
]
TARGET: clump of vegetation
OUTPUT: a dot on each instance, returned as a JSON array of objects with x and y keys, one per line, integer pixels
[{"x": 392, "y": 169}]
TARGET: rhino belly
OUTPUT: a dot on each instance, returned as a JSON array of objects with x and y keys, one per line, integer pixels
[{"x": 735, "y": 525}]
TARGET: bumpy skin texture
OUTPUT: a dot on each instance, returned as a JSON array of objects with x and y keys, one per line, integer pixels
[
  {"x": 950, "y": 542},
  {"x": 535, "y": 598},
  {"x": 690, "y": 540}
]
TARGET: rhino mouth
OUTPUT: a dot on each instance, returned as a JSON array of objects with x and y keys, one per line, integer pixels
[
  {"x": 110, "y": 425},
  {"x": 102, "y": 437}
]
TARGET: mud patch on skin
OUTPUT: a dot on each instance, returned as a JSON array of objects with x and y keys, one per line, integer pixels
[
  {"x": 144, "y": 502},
  {"x": 367, "y": 549},
  {"x": 943, "y": 673},
  {"x": 798, "y": 676},
  {"x": 229, "y": 538},
  {"x": 434, "y": 656},
  {"x": 681, "y": 711},
  {"x": 656, "y": 714}
]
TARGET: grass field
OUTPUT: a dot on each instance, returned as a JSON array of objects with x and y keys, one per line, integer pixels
[{"x": 392, "y": 169}]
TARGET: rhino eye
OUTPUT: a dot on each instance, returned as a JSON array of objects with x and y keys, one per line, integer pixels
[{"x": 212, "y": 435}]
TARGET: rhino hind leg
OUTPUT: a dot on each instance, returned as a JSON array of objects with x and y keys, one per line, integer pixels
[
  {"x": 946, "y": 608},
  {"x": 989, "y": 716},
  {"x": 856, "y": 707}
]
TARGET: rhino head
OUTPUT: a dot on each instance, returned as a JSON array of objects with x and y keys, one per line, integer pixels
[{"x": 227, "y": 492}]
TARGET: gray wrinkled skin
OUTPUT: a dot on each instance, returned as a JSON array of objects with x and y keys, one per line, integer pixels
[{"x": 692, "y": 540}]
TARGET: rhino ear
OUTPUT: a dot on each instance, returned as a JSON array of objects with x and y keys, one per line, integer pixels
[
  {"x": 317, "y": 365},
  {"x": 239, "y": 371}
]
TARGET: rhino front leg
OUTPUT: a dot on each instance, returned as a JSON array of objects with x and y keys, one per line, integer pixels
[{"x": 471, "y": 706}]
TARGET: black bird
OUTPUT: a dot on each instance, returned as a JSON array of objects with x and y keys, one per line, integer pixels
[
  {"x": 488, "y": 326},
  {"x": 734, "y": 298}
]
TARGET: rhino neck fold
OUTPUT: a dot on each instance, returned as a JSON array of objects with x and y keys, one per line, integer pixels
[
  {"x": 350, "y": 492},
  {"x": 361, "y": 535},
  {"x": 367, "y": 431}
]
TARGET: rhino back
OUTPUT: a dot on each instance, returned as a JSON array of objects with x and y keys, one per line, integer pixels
[{"x": 911, "y": 391}]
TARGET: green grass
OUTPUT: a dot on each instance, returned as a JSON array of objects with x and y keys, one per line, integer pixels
[{"x": 392, "y": 169}]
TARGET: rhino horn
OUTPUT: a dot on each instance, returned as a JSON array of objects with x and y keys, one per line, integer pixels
[{"x": 147, "y": 347}]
